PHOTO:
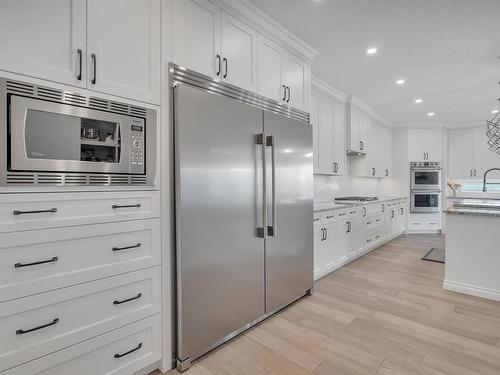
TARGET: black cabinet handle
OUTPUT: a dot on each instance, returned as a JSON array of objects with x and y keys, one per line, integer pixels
[
  {"x": 22, "y": 331},
  {"x": 317, "y": 219},
  {"x": 361, "y": 145},
  {"x": 348, "y": 227},
  {"x": 21, "y": 265},
  {"x": 126, "y": 247},
  {"x": 129, "y": 352},
  {"x": 79, "y": 75},
  {"x": 50, "y": 211},
  {"x": 373, "y": 171},
  {"x": 330, "y": 217},
  {"x": 116, "y": 206},
  {"x": 218, "y": 62},
  {"x": 284, "y": 92},
  {"x": 289, "y": 94},
  {"x": 386, "y": 173},
  {"x": 94, "y": 65},
  {"x": 402, "y": 210},
  {"x": 224, "y": 60},
  {"x": 383, "y": 207},
  {"x": 116, "y": 302},
  {"x": 326, "y": 234}
]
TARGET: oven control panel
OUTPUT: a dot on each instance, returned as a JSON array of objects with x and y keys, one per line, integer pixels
[
  {"x": 425, "y": 164},
  {"x": 137, "y": 149}
]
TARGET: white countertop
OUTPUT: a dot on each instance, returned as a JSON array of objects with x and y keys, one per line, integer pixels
[{"x": 324, "y": 205}]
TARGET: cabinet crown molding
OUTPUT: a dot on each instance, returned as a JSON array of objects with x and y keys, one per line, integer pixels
[
  {"x": 329, "y": 90},
  {"x": 268, "y": 24}
]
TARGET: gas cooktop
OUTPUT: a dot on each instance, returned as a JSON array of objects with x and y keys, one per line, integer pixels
[{"x": 356, "y": 199}]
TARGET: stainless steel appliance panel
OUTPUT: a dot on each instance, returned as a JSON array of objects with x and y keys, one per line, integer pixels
[
  {"x": 220, "y": 259},
  {"x": 425, "y": 175},
  {"x": 425, "y": 201},
  {"x": 289, "y": 184}
]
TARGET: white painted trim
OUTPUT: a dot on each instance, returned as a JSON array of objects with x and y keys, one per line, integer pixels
[
  {"x": 424, "y": 125},
  {"x": 268, "y": 25},
  {"x": 353, "y": 100},
  {"x": 328, "y": 90},
  {"x": 383, "y": 120},
  {"x": 472, "y": 290}
]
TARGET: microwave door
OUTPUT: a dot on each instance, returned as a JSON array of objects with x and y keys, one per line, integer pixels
[{"x": 53, "y": 137}]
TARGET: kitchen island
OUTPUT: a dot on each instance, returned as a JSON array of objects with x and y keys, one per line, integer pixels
[{"x": 473, "y": 248}]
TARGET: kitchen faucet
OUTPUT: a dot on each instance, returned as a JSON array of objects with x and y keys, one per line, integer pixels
[{"x": 484, "y": 177}]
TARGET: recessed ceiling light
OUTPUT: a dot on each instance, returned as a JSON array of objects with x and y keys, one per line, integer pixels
[
  {"x": 400, "y": 82},
  {"x": 430, "y": 114},
  {"x": 494, "y": 111},
  {"x": 371, "y": 51},
  {"x": 418, "y": 101}
]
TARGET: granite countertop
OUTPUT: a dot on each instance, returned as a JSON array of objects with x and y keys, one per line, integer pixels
[
  {"x": 324, "y": 205},
  {"x": 475, "y": 207}
]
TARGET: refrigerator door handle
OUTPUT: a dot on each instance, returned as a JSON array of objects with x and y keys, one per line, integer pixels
[
  {"x": 260, "y": 210},
  {"x": 271, "y": 229}
]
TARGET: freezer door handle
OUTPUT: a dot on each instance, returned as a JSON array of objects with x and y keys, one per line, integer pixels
[
  {"x": 271, "y": 229},
  {"x": 260, "y": 157}
]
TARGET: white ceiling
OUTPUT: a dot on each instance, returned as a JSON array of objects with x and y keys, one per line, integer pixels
[{"x": 447, "y": 50}]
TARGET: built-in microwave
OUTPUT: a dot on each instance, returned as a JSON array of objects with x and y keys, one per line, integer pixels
[
  {"x": 425, "y": 175},
  {"x": 64, "y": 138}
]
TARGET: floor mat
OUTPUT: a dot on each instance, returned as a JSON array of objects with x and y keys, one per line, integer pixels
[{"x": 434, "y": 255}]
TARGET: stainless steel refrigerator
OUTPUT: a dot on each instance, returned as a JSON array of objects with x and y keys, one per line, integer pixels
[{"x": 244, "y": 207}]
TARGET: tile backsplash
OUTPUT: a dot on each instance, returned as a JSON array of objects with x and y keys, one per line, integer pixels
[{"x": 331, "y": 187}]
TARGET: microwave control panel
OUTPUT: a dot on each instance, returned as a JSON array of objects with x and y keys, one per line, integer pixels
[{"x": 137, "y": 149}]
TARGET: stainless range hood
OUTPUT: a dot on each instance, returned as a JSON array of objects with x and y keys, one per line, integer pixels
[{"x": 355, "y": 153}]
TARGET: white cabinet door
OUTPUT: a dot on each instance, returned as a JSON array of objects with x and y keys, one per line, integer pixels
[
  {"x": 320, "y": 252},
  {"x": 239, "y": 53},
  {"x": 270, "y": 79},
  {"x": 197, "y": 36},
  {"x": 484, "y": 159},
  {"x": 461, "y": 153},
  {"x": 123, "y": 39},
  {"x": 434, "y": 144},
  {"x": 43, "y": 39},
  {"x": 325, "y": 136},
  {"x": 354, "y": 135},
  {"x": 387, "y": 152},
  {"x": 296, "y": 75},
  {"x": 417, "y": 139},
  {"x": 341, "y": 243},
  {"x": 364, "y": 126},
  {"x": 314, "y": 119},
  {"x": 339, "y": 141}
]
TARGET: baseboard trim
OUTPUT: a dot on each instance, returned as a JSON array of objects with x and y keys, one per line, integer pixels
[{"x": 472, "y": 290}]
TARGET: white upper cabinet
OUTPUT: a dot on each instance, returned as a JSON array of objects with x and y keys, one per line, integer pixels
[
  {"x": 283, "y": 76},
  {"x": 124, "y": 48},
  {"x": 469, "y": 155},
  {"x": 239, "y": 53},
  {"x": 270, "y": 72},
  {"x": 213, "y": 42},
  {"x": 197, "y": 48},
  {"x": 339, "y": 150},
  {"x": 44, "y": 39},
  {"x": 425, "y": 144},
  {"x": 461, "y": 153},
  {"x": 358, "y": 125},
  {"x": 328, "y": 121}
]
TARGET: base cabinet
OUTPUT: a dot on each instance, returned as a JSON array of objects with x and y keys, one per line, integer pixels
[{"x": 345, "y": 234}]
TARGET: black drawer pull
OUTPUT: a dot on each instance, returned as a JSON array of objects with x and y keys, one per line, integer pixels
[
  {"x": 51, "y": 211},
  {"x": 115, "y": 206},
  {"x": 369, "y": 240},
  {"x": 316, "y": 219},
  {"x": 368, "y": 222},
  {"x": 20, "y": 265},
  {"x": 329, "y": 217},
  {"x": 22, "y": 331},
  {"x": 342, "y": 214},
  {"x": 116, "y": 302},
  {"x": 126, "y": 247},
  {"x": 129, "y": 352}
]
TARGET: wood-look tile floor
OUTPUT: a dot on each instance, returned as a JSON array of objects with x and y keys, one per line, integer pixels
[{"x": 386, "y": 313}]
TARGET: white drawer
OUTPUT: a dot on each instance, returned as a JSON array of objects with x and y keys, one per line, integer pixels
[
  {"x": 373, "y": 224},
  {"x": 80, "y": 254},
  {"x": 426, "y": 224},
  {"x": 352, "y": 212},
  {"x": 21, "y": 212},
  {"x": 97, "y": 356},
  {"x": 38, "y": 325}
]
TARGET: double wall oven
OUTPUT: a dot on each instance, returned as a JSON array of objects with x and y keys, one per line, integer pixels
[
  {"x": 63, "y": 138},
  {"x": 425, "y": 185}
]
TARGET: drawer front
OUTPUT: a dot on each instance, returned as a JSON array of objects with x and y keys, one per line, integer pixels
[
  {"x": 74, "y": 255},
  {"x": 431, "y": 224},
  {"x": 49, "y": 210},
  {"x": 34, "y": 326},
  {"x": 316, "y": 218},
  {"x": 352, "y": 213},
  {"x": 342, "y": 215},
  {"x": 103, "y": 355}
]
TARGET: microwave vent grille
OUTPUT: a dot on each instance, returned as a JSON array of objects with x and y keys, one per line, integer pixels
[
  {"x": 138, "y": 180},
  {"x": 119, "y": 180},
  {"x": 50, "y": 179},
  {"x": 20, "y": 88},
  {"x": 75, "y": 180},
  {"x": 76, "y": 99},
  {"x": 120, "y": 108},
  {"x": 47, "y": 93},
  {"x": 138, "y": 111},
  {"x": 14, "y": 178},
  {"x": 98, "y": 180},
  {"x": 98, "y": 103}
]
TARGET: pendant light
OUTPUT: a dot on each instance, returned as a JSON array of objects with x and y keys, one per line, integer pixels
[{"x": 493, "y": 132}]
